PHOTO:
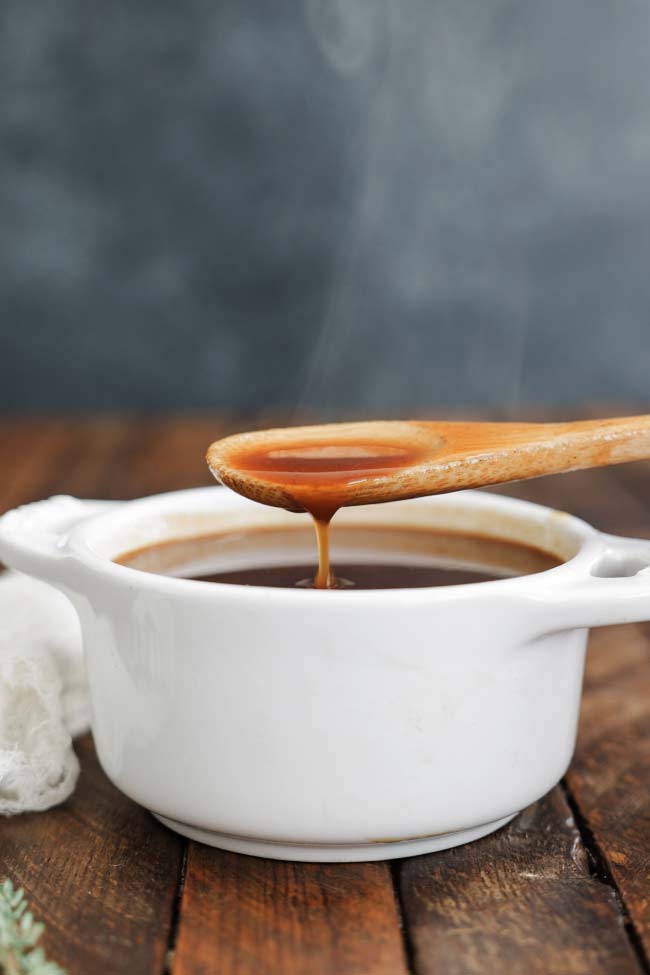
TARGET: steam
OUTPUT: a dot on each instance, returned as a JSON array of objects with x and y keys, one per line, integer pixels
[
  {"x": 422, "y": 249},
  {"x": 348, "y": 32}
]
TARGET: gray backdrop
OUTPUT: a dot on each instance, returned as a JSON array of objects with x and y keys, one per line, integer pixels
[{"x": 360, "y": 206}]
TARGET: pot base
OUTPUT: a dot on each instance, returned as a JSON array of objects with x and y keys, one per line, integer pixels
[{"x": 331, "y": 852}]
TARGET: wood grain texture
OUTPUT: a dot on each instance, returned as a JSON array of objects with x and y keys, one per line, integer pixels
[
  {"x": 100, "y": 872},
  {"x": 597, "y": 496},
  {"x": 105, "y": 456},
  {"x": 519, "y": 902},
  {"x": 247, "y": 916},
  {"x": 610, "y": 774},
  {"x": 32, "y": 455},
  {"x": 168, "y": 454}
]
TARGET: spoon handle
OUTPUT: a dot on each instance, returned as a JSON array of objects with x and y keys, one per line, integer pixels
[
  {"x": 502, "y": 452},
  {"x": 608, "y": 441}
]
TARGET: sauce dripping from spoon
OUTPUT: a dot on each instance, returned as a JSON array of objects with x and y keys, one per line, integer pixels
[{"x": 320, "y": 478}]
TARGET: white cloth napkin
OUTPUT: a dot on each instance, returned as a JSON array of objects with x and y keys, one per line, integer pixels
[{"x": 43, "y": 695}]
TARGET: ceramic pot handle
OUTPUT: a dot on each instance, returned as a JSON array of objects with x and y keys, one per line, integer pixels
[
  {"x": 617, "y": 589},
  {"x": 33, "y": 537}
]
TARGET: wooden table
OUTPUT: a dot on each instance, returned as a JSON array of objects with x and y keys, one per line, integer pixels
[{"x": 565, "y": 888}]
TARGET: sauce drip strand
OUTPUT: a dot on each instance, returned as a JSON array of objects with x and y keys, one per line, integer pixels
[{"x": 320, "y": 478}]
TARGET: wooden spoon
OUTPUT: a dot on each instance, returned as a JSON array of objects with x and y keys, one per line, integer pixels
[{"x": 322, "y": 468}]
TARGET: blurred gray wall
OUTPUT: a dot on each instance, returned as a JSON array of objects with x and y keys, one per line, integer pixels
[{"x": 324, "y": 205}]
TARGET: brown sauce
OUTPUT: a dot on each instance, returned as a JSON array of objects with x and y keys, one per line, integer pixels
[
  {"x": 352, "y": 576},
  {"x": 376, "y": 557},
  {"x": 322, "y": 477}
]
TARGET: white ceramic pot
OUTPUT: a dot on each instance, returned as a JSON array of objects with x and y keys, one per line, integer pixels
[{"x": 338, "y": 725}]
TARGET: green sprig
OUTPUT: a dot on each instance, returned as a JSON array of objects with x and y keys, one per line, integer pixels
[{"x": 19, "y": 934}]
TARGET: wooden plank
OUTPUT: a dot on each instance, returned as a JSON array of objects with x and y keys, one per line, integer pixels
[
  {"x": 610, "y": 774},
  {"x": 105, "y": 456},
  {"x": 247, "y": 916},
  {"x": 168, "y": 454},
  {"x": 597, "y": 496},
  {"x": 100, "y": 872},
  {"x": 92, "y": 465},
  {"x": 31, "y": 455},
  {"x": 636, "y": 479},
  {"x": 519, "y": 902},
  {"x": 73, "y": 456}
]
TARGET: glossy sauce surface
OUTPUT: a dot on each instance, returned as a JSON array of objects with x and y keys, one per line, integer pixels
[
  {"x": 377, "y": 557},
  {"x": 312, "y": 465}
]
